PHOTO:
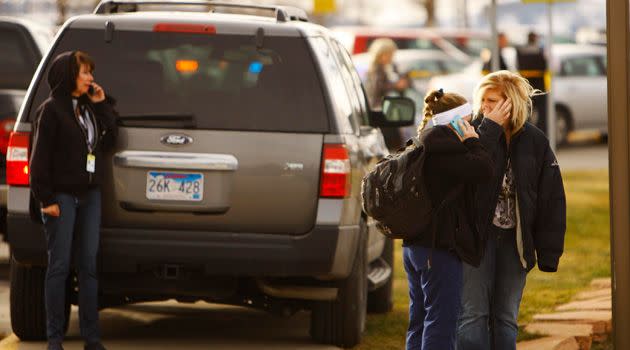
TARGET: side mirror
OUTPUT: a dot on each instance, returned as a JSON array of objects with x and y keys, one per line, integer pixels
[{"x": 397, "y": 112}]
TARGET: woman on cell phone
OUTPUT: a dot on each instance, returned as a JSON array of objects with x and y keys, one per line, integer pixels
[
  {"x": 455, "y": 163},
  {"x": 521, "y": 213},
  {"x": 74, "y": 127}
]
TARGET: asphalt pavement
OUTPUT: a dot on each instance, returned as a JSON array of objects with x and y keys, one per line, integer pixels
[
  {"x": 172, "y": 325},
  {"x": 583, "y": 157}
]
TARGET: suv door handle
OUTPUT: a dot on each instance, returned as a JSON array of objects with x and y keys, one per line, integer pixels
[{"x": 176, "y": 160}]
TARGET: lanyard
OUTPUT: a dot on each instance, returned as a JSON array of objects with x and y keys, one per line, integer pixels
[{"x": 84, "y": 125}]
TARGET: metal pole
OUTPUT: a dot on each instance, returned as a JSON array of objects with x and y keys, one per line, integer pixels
[
  {"x": 495, "y": 36},
  {"x": 465, "y": 7},
  {"x": 551, "y": 111},
  {"x": 618, "y": 38}
]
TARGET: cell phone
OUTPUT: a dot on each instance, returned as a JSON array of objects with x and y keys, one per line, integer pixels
[
  {"x": 455, "y": 124},
  {"x": 91, "y": 90}
]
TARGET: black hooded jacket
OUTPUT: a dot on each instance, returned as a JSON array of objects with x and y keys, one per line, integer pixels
[
  {"x": 59, "y": 151},
  {"x": 541, "y": 203},
  {"x": 454, "y": 165}
]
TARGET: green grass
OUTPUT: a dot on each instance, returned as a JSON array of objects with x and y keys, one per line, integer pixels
[
  {"x": 587, "y": 246},
  {"x": 586, "y": 256}
]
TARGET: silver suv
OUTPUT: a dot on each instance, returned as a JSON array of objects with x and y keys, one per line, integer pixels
[{"x": 236, "y": 176}]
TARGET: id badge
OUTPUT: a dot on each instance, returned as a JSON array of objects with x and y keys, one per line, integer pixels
[{"x": 91, "y": 163}]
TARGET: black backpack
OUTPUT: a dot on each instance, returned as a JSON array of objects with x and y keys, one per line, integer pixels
[{"x": 394, "y": 194}]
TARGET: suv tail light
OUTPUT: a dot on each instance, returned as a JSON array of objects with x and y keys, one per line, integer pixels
[
  {"x": 335, "y": 172},
  {"x": 17, "y": 159},
  {"x": 6, "y": 126}
]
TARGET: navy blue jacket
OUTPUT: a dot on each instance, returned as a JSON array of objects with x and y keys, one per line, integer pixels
[{"x": 539, "y": 188}]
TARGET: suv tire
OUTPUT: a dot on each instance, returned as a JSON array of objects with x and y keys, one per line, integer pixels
[
  {"x": 341, "y": 322},
  {"x": 28, "y": 308},
  {"x": 381, "y": 300}
]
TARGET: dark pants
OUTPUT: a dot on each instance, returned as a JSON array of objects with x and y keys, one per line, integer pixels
[
  {"x": 79, "y": 220},
  {"x": 435, "y": 296},
  {"x": 492, "y": 296}
]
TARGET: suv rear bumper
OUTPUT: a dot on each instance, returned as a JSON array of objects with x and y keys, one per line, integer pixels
[{"x": 324, "y": 252}]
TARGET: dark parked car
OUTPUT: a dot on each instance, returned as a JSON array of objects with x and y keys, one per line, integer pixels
[
  {"x": 236, "y": 176},
  {"x": 22, "y": 44}
]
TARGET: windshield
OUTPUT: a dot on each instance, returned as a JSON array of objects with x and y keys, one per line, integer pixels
[{"x": 217, "y": 81}]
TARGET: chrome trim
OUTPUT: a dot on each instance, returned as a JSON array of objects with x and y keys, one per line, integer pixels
[{"x": 175, "y": 160}]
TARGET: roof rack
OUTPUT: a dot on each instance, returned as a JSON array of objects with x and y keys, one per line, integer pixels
[{"x": 282, "y": 13}]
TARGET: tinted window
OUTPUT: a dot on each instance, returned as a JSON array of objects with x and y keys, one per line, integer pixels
[
  {"x": 346, "y": 73},
  {"x": 582, "y": 66},
  {"x": 354, "y": 84},
  {"x": 211, "y": 82},
  {"x": 338, "y": 94},
  {"x": 17, "y": 61}
]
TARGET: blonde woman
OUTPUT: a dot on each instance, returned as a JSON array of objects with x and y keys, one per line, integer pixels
[
  {"x": 382, "y": 76},
  {"x": 455, "y": 163},
  {"x": 383, "y": 79},
  {"x": 521, "y": 213}
]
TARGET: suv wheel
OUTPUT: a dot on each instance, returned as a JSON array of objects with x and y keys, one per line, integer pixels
[
  {"x": 28, "y": 308},
  {"x": 341, "y": 322},
  {"x": 381, "y": 300}
]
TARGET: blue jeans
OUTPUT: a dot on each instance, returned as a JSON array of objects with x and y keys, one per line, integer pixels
[
  {"x": 80, "y": 221},
  {"x": 435, "y": 294},
  {"x": 492, "y": 295}
]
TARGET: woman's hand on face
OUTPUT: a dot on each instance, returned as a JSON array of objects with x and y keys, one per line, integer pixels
[
  {"x": 52, "y": 210},
  {"x": 469, "y": 130},
  {"x": 98, "y": 95},
  {"x": 500, "y": 114}
]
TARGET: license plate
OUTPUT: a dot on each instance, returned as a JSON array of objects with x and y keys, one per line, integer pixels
[{"x": 174, "y": 186}]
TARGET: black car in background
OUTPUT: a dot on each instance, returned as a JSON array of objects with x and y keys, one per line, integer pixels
[{"x": 22, "y": 45}]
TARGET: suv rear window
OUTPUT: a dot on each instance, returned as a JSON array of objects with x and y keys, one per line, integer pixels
[{"x": 182, "y": 80}]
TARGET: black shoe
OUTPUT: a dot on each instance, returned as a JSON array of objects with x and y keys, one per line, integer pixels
[
  {"x": 54, "y": 346},
  {"x": 94, "y": 346}
]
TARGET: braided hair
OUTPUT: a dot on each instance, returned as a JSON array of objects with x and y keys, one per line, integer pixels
[{"x": 438, "y": 101}]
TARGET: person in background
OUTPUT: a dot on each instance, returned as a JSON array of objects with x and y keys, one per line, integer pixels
[
  {"x": 384, "y": 79},
  {"x": 74, "y": 127},
  {"x": 487, "y": 58},
  {"x": 521, "y": 213},
  {"x": 455, "y": 163},
  {"x": 532, "y": 65}
]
